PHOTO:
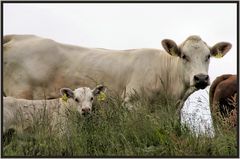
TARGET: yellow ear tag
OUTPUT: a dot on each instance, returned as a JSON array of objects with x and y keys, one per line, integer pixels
[
  {"x": 64, "y": 97},
  {"x": 218, "y": 55},
  {"x": 172, "y": 51},
  {"x": 101, "y": 97}
]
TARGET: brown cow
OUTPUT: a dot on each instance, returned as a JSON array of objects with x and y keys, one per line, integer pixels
[{"x": 222, "y": 90}]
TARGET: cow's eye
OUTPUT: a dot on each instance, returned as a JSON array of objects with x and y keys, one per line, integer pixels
[
  {"x": 208, "y": 57},
  {"x": 91, "y": 98},
  {"x": 185, "y": 57},
  {"x": 76, "y": 100}
]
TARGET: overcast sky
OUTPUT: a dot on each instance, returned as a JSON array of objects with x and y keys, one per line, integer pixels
[{"x": 128, "y": 26}]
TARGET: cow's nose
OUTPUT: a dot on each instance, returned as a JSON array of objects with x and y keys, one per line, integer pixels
[
  {"x": 201, "y": 81},
  {"x": 201, "y": 77},
  {"x": 85, "y": 110}
]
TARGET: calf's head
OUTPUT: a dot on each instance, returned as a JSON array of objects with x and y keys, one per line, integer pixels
[
  {"x": 195, "y": 55},
  {"x": 82, "y": 98}
]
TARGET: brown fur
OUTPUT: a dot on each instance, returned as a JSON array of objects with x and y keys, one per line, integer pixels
[
  {"x": 223, "y": 88},
  {"x": 233, "y": 118},
  {"x": 215, "y": 84}
]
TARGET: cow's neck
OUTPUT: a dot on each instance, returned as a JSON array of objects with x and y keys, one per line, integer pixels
[
  {"x": 67, "y": 105},
  {"x": 172, "y": 76}
]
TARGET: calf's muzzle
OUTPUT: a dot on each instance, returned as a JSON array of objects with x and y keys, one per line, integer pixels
[{"x": 86, "y": 111}]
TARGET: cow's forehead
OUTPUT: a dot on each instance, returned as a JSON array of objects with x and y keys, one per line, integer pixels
[
  {"x": 194, "y": 44},
  {"x": 82, "y": 92}
]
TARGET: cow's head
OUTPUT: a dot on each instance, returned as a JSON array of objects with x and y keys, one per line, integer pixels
[
  {"x": 82, "y": 97},
  {"x": 195, "y": 55}
]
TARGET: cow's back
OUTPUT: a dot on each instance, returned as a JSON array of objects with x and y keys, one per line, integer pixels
[
  {"x": 31, "y": 66},
  {"x": 215, "y": 84},
  {"x": 36, "y": 68},
  {"x": 9, "y": 111},
  {"x": 21, "y": 113},
  {"x": 225, "y": 87}
]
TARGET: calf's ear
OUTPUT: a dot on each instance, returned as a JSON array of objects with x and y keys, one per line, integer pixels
[
  {"x": 171, "y": 47},
  {"x": 98, "y": 89},
  {"x": 220, "y": 49},
  {"x": 69, "y": 93}
]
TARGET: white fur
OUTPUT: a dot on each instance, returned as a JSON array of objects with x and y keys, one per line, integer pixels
[
  {"x": 122, "y": 71},
  {"x": 19, "y": 114},
  {"x": 197, "y": 50},
  {"x": 84, "y": 96}
]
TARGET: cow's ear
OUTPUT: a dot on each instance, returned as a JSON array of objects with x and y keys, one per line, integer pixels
[
  {"x": 98, "y": 89},
  {"x": 67, "y": 91},
  {"x": 171, "y": 47},
  {"x": 220, "y": 49}
]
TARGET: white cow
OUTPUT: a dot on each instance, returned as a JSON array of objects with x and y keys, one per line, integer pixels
[
  {"x": 19, "y": 114},
  {"x": 34, "y": 66}
]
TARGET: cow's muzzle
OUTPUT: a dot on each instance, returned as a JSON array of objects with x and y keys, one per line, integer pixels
[{"x": 201, "y": 81}]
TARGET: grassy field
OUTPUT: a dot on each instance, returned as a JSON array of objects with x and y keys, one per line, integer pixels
[{"x": 151, "y": 130}]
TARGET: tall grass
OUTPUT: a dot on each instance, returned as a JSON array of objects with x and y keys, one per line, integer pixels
[{"x": 151, "y": 128}]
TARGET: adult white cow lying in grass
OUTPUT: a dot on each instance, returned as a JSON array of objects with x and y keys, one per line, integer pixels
[
  {"x": 34, "y": 65},
  {"x": 19, "y": 114}
]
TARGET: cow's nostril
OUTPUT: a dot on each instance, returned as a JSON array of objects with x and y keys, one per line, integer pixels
[
  {"x": 196, "y": 78},
  {"x": 201, "y": 78},
  {"x": 206, "y": 78},
  {"x": 85, "y": 110}
]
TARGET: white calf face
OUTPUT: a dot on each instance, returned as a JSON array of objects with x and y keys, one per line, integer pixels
[
  {"x": 83, "y": 97},
  {"x": 195, "y": 55}
]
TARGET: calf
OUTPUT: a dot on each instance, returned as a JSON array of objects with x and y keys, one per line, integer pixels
[{"x": 19, "y": 114}]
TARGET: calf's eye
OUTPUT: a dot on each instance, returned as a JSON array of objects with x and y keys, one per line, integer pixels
[
  {"x": 76, "y": 100},
  {"x": 91, "y": 98},
  {"x": 208, "y": 57}
]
